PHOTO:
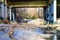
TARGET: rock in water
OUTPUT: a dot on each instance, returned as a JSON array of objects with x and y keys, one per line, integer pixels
[
  {"x": 23, "y": 35},
  {"x": 4, "y": 36},
  {"x": 20, "y": 34},
  {"x": 39, "y": 31}
]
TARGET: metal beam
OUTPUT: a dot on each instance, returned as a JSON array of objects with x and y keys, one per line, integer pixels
[
  {"x": 23, "y": 4},
  {"x": 28, "y": 5},
  {"x": 5, "y": 2}
]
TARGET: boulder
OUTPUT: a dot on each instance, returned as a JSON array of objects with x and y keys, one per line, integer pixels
[{"x": 36, "y": 22}]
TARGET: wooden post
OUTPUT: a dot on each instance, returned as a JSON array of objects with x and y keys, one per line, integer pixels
[
  {"x": 10, "y": 13},
  {"x": 2, "y": 10},
  {"x": 54, "y": 4},
  {"x": 13, "y": 17},
  {"x": 5, "y": 12}
]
